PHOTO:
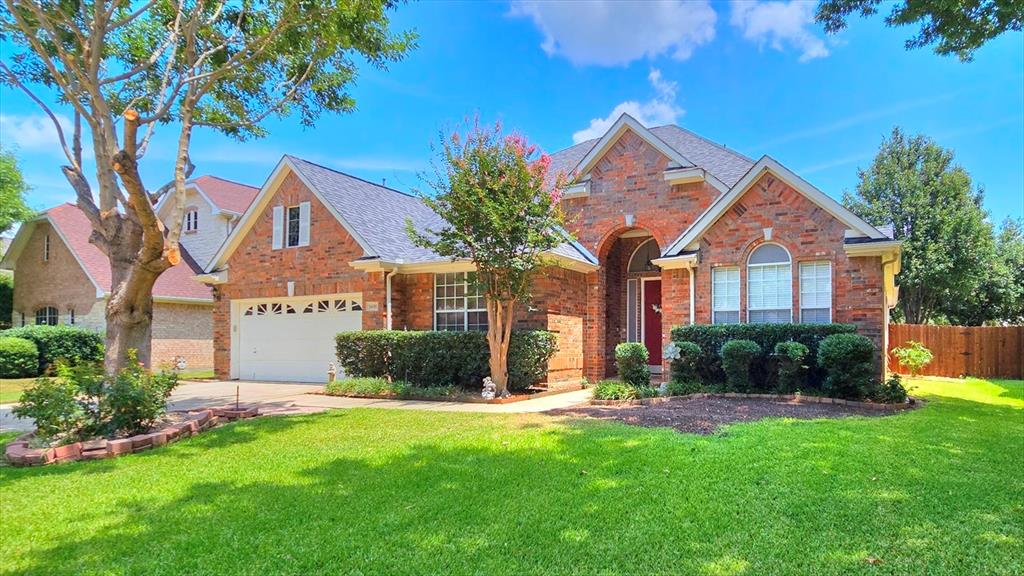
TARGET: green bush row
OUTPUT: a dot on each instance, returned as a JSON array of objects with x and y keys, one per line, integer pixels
[
  {"x": 616, "y": 390},
  {"x": 381, "y": 387},
  {"x": 435, "y": 358},
  {"x": 73, "y": 344},
  {"x": 19, "y": 358},
  {"x": 711, "y": 338}
]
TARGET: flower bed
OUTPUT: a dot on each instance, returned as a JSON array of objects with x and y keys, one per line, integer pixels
[
  {"x": 18, "y": 452},
  {"x": 798, "y": 398}
]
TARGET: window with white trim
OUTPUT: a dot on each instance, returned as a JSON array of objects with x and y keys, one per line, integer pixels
[
  {"x": 71, "y": 316},
  {"x": 46, "y": 315},
  {"x": 46, "y": 248},
  {"x": 769, "y": 285},
  {"x": 725, "y": 295},
  {"x": 459, "y": 303},
  {"x": 192, "y": 220},
  {"x": 816, "y": 292}
]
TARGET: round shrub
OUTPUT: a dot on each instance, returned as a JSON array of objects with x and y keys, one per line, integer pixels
[
  {"x": 74, "y": 344},
  {"x": 790, "y": 357},
  {"x": 737, "y": 357},
  {"x": 914, "y": 357},
  {"x": 631, "y": 360},
  {"x": 684, "y": 366},
  {"x": 19, "y": 358},
  {"x": 848, "y": 360},
  {"x": 891, "y": 391}
]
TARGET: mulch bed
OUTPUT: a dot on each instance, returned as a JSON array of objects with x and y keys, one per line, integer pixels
[{"x": 705, "y": 415}]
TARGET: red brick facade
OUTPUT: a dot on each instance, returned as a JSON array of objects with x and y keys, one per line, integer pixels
[{"x": 629, "y": 201}]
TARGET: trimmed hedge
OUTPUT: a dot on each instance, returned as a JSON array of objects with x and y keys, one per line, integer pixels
[
  {"x": 683, "y": 367},
  {"x": 790, "y": 358},
  {"x": 19, "y": 358},
  {"x": 631, "y": 362},
  {"x": 737, "y": 358},
  {"x": 849, "y": 360},
  {"x": 436, "y": 358},
  {"x": 711, "y": 338},
  {"x": 74, "y": 344}
]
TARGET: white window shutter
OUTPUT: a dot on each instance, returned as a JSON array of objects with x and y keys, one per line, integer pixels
[
  {"x": 304, "y": 224},
  {"x": 277, "y": 242}
]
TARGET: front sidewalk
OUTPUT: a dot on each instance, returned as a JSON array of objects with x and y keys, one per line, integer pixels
[{"x": 282, "y": 398}]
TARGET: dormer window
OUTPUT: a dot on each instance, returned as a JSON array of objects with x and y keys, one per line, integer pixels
[{"x": 191, "y": 220}]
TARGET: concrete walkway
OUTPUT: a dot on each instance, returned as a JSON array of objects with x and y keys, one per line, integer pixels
[{"x": 286, "y": 398}]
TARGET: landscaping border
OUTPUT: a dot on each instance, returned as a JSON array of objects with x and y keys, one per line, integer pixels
[
  {"x": 19, "y": 454},
  {"x": 798, "y": 398}
]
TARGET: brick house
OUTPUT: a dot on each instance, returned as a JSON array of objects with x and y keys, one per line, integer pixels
[
  {"x": 60, "y": 278},
  {"x": 669, "y": 229}
]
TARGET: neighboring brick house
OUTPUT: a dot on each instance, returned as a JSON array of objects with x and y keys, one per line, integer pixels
[
  {"x": 671, "y": 229},
  {"x": 60, "y": 278}
]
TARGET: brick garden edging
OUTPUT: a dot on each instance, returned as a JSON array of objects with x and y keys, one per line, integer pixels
[
  {"x": 19, "y": 454},
  {"x": 799, "y": 398}
]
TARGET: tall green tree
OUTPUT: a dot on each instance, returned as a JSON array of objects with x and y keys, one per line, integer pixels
[
  {"x": 954, "y": 26},
  {"x": 13, "y": 208},
  {"x": 123, "y": 70},
  {"x": 492, "y": 191},
  {"x": 1000, "y": 296},
  {"x": 914, "y": 185}
]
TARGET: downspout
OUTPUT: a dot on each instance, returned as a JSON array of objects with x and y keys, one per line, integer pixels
[
  {"x": 885, "y": 311},
  {"x": 692, "y": 296},
  {"x": 387, "y": 298}
]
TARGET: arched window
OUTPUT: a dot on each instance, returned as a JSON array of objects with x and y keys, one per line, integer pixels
[
  {"x": 769, "y": 285},
  {"x": 641, "y": 259},
  {"x": 46, "y": 315}
]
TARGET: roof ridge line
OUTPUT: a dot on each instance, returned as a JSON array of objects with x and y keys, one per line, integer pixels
[
  {"x": 708, "y": 140},
  {"x": 361, "y": 179},
  {"x": 223, "y": 179}
]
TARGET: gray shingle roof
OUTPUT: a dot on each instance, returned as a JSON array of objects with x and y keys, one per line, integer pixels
[
  {"x": 725, "y": 164},
  {"x": 378, "y": 214}
]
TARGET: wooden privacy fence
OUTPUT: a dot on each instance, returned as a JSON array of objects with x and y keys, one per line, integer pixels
[{"x": 987, "y": 351}]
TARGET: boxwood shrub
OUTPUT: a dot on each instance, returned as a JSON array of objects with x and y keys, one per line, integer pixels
[
  {"x": 738, "y": 356},
  {"x": 436, "y": 358},
  {"x": 849, "y": 360},
  {"x": 631, "y": 362},
  {"x": 74, "y": 344},
  {"x": 710, "y": 338},
  {"x": 19, "y": 358},
  {"x": 791, "y": 358}
]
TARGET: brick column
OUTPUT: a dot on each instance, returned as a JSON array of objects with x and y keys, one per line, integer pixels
[
  {"x": 675, "y": 303},
  {"x": 594, "y": 327}
]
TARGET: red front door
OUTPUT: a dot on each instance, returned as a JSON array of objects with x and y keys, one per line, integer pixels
[{"x": 652, "y": 320}]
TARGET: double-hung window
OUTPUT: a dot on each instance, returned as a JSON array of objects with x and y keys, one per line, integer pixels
[
  {"x": 459, "y": 303},
  {"x": 816, "y": 292},
  {"x": 725, "y": 295},
  {"x": 769, "y": 285}
]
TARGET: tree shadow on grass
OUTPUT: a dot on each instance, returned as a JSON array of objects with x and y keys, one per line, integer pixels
[{"x": 508, "y": 495}]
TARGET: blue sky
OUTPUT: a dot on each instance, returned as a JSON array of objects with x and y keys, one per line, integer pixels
[{"x": 759, "y": 77}]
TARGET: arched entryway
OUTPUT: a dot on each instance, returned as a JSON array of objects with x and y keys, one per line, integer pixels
[{"x": 632, "y": 295}]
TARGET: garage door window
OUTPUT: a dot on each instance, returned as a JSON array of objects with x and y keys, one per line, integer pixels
[{"x": 459, "y": 302}]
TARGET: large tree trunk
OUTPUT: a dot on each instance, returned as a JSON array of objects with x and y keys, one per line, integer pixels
[
  {"x": 499, "y": 334},
  {"x": 129, "y": 311}
]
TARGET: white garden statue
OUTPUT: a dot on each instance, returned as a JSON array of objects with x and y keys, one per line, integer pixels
[
  {"x": 489, "y": 388},
  {"x": 671, "y": 351}
]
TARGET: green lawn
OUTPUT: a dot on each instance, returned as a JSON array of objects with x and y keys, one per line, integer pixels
[
  {"x": 937, "y": 490},
  {"x": 10, "y": 389}
]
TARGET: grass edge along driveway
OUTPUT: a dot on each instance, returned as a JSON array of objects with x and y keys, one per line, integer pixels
[{"x": 935, "y": 490}]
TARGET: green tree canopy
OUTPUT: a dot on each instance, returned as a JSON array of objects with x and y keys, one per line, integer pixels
[
  {"x": 13, "y": 208},
  {"x": 493, "y": 193},
  {"x": 1000, "y": 296},
  {"x": 955, "y": 26},
  {"x": 933, "y": 207}
]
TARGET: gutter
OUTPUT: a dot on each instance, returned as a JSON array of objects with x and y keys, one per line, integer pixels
[{"x": 387, "y": 298}]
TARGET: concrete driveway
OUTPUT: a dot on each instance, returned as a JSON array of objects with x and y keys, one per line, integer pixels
[{"x": 288, "y": 398}]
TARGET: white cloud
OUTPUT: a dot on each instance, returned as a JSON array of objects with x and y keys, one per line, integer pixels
[
  {"x": 661, "y": 109},
  {"x": 779, "y": 24},
  {"x": 33, "y": 132},
  {"x": 612, "y": 33}
]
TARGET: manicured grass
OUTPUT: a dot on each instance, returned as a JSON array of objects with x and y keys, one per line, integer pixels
[
  {"x": 10, "y": 389},
  {"x": 196, "y": 374},
  {"x": 937, "y": 490}
]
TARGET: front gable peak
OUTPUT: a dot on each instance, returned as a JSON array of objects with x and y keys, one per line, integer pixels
[{"x": 627, "y": 123}]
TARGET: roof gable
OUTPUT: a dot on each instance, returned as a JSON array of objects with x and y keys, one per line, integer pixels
[
  {"x": 74, "y": 229},
  {"x": 622, "y": 125},
  {"x": 222, "y": 195},
  {"x": 768, "y": 165}
]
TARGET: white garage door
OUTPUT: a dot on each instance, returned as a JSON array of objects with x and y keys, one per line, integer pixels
[{"x": 292, "y": 339}]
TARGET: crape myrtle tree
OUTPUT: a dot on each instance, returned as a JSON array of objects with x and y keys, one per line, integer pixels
[
  {"x": 122, "y": 70},
  {"x": 914, "y": 185},
  {"x": 501, "y": 211}
]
